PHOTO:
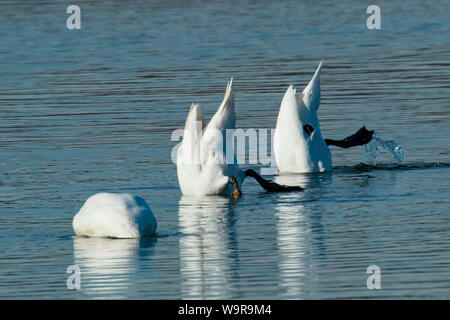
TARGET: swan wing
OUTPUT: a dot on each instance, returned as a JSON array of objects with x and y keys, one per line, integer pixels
[
  {"x": 288, "y": 138},
  {"x": 189, "y": 152},
  {"x": 189, "y": 166}
]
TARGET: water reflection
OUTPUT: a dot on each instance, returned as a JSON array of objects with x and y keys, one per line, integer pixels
[
  {"x": 114, "y": 92},
  {"x": 208, "y": 255},
  {"x": 296, "y": 224},
  {"x": 107, "y": 265},
  {"x": 307, "y": 181}
]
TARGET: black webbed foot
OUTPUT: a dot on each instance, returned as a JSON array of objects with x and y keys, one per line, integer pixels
[{"x": 361, "y": 137}]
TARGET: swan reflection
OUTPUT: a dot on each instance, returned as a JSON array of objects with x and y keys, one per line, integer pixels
[
  {"x": 207, "y": 255},
  {"x": 305, "y": 180},
  {"x": 294, "y": 235},
  {"x": 106, "y": 265}
]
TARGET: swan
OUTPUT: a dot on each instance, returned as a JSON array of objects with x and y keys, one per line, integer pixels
[
  {"x": 298, "y": 143},
  {"x": 203, "y": 165},
  {"x": 114, "y": 215}
]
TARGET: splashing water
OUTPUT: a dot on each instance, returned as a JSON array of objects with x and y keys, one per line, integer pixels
[{"x": 377, "y": 144}]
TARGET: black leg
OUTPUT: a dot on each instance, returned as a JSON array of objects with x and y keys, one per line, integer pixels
[{"x": 361, "y": 137}]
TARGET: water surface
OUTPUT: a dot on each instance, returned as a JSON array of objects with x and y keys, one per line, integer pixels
[{"x": 92, "y": 110}]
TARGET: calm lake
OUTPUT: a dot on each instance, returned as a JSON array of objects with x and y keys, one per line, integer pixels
[{"x": 93, "y": 110}]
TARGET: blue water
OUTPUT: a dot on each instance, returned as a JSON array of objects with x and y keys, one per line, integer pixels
[{"x": 92, "y": 110}]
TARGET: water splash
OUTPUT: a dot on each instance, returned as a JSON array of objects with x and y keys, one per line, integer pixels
[{"x": 377, "y": 144}]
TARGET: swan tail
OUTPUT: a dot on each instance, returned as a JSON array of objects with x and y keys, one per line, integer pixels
[
  {"x": 228, "y": 99},
  {"x": 225, "y": 117},
  {"x": 229, "y": 86},
  {"x": 311, "y": 93}
]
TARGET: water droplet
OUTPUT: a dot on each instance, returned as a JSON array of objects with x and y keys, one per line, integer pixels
[{"x": 377, "y": 144}]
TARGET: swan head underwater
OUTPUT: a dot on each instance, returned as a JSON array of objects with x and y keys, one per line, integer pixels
[
  {"x": 204, "y": 167},
  {"x": 298, "y": 143}
]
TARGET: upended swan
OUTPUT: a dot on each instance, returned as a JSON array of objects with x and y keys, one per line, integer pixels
[
  {"x": 298, "y": 143},
  {"x": 115, "y": 215},
  {"x": 203, "y": 165}
]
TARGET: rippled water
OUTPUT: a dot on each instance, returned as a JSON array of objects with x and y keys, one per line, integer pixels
[{"x": 93, "y": 110}]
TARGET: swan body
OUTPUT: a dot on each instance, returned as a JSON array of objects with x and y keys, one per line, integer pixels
[
  {"x": 298, "y": 143},
  {"x": 202, "y": 166},
  {"x": 114, "y": 215}
]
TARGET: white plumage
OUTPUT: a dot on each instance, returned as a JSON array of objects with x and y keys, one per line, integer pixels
[
  {"x": 295, "y": 149},
  {"x": 201, "y": 160},
  {"x": 115, "y": 215}
]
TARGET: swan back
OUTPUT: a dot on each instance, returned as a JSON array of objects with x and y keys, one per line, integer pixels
[{"x": 115, "y": 215}]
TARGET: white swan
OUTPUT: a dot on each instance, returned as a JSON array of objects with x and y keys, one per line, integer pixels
[
  {"x": 298, "y": 143},
  {"x": 114, "y": 215},
  {"x": 203, "y": 165}
]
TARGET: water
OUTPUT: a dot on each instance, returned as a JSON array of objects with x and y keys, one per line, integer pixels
[
  {"x": 377, "y": 144},
  {"x": 93, "y": 110}
]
